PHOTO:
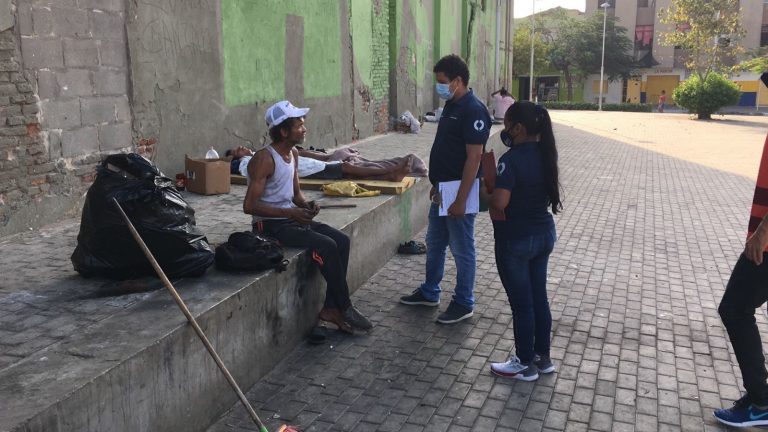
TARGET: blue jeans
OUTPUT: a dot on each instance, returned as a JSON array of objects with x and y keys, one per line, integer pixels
[
  {"x": 522, "y": 264},
  {"x": 459, "y": 234}
]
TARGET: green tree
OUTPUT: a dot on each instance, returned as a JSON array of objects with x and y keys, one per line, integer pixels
[
  {"x": 706, "y": 96},
  {"x": 707, "y": 30},
  {"x": 522, "y": 49},
  {"x": 758, "y": 62},
  {"x": 577, "y": 49}
]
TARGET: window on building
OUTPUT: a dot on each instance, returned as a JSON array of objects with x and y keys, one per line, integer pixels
[
  {"x": 764, "y": 36},
  {"x": 643, "y": 37}
]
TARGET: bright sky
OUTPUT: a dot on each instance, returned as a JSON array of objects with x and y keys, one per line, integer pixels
[{"x": 523, "y": 7}]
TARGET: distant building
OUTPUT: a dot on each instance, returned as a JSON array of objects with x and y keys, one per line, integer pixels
[{"x": 663, "y": 66}]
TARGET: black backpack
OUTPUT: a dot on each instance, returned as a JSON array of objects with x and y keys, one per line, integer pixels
[{"x": 248, "y": 251}]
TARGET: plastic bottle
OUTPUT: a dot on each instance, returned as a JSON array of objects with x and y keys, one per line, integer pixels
[{"x": 212, "y": 154}]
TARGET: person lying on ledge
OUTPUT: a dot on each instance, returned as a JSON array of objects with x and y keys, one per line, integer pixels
[{"x": 342, "y": 163}]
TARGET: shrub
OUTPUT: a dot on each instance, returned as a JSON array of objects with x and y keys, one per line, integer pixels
[
  {"x": 706, "y": 97},
  {"x": 588, "y": 106}
]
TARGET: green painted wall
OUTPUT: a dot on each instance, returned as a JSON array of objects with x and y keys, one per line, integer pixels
[
  {"x": 401, "y": 49},
  {"x": 253, "y": 43},
  {"x": 450, "y": 27},
  {"x": 369, "y": 26},
  {"x": 361, "y": 19},
  {"x": 419, "y": 42}
]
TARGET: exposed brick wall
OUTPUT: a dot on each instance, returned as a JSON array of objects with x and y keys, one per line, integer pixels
[
  {"x": 380, "y": 68},
  {"x": 63, "y": 105},
  {"x": 26, "y": 172}
]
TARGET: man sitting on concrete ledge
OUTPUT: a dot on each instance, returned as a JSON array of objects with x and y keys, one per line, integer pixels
[
  {"x": 279, "y": 210},
  {"x": 316, "y": 165}
]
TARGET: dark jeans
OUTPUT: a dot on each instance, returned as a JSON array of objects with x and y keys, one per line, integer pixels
[
  {"x": 459, "y": 234},
  {"x": 522, "y": 265},
  {"x": 329, "y": 248},
  {"x": 747, "y": 290}
]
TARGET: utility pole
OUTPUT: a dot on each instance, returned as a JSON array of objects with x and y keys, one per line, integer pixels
[{"x": 533, "y": 33}]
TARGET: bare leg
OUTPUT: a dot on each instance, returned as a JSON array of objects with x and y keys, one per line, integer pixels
[{"x": 396, "y": 173}]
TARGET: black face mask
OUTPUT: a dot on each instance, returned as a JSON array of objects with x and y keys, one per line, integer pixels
[{"x": 506, "y": 138}]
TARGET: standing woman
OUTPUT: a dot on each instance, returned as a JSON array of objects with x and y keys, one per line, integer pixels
[{"x": 526, "y": 188}]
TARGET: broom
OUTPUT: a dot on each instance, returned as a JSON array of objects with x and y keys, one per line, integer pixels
[{"x": 195, "y": 326}]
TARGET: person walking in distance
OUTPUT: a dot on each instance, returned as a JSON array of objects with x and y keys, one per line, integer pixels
[
  {"x": 279, "y": 210},
  {"x": 455, "y": 156},
  {"x": 526, "y": 188}
]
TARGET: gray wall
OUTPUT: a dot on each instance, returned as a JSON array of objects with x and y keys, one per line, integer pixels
[
  {"x": 80, "y": 79},
  {"x": 63, "y": 102},
  {"x": 176, "y": 52}
]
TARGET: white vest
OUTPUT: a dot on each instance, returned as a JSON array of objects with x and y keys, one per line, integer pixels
[{"x": 278, "y": 190}]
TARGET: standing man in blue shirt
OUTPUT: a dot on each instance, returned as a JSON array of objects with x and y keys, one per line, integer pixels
[{"x": 459, "y": 143}]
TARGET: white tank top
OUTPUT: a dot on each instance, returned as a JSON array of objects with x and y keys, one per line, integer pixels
[{"x": 278, "y": 190}]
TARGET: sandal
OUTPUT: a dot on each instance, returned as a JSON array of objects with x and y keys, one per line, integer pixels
[
  {"x": 318, "y": 335},
  {"x": 412, "y": 248}
]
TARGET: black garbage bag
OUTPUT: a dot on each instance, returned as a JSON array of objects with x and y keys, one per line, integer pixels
[{"x": 164, "y": 220}]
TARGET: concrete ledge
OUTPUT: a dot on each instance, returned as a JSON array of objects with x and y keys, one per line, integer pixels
[{"x": 144, "y": 369}]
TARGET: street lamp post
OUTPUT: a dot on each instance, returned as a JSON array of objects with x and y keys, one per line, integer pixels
[
  {"x": 533, "y": 30},
  {"x": 605, "y": 7}
]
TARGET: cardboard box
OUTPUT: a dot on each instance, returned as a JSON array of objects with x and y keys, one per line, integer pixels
[{"x": 207, "y": 176}]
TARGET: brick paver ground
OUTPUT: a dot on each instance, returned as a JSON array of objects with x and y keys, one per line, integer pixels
[{"x": 646, "y": 244}]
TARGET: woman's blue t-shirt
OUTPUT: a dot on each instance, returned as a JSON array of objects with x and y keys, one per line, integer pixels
[{"x": 521, "y": 171}]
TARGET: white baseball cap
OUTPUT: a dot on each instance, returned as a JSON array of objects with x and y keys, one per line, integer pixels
[{"x": 282, "y": 111}]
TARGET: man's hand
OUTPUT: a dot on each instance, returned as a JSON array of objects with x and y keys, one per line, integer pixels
[
  {"x": 434, "y": 196},
  {"x": 457, "y": 209},
  {"x": 301, "y": 215},
  {"x": 755, "y": 246},
  {"x": 313, "y": 207}
]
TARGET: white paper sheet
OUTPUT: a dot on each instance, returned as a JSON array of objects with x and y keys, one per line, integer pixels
[{"x": 448, "y": 192}]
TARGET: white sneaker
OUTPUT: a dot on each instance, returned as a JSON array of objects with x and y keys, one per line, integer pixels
[{"x": 512, "y": 368}]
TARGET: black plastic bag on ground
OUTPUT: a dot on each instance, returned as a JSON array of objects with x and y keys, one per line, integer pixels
[{"x": 164, "y": 220}]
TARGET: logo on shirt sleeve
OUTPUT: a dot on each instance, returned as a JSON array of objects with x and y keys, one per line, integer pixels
[
  {"x": 500, "y": 169},
  {"x": 479, "y": 125}
]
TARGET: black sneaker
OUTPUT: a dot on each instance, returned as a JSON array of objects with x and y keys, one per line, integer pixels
[
  {"x": 356, "y": 319},
  {"x": 454, "y": 314},
  {"x": 417, "y": 298}
]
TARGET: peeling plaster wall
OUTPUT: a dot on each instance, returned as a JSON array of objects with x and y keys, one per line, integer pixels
[
  {"x": 205, "y": 71},
  {"x": 424, "y": 31}
]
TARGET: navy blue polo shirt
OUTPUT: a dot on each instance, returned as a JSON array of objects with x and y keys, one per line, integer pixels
[
  {"x": 521, "y": 171},
  {"x": 464, "y": 121}
]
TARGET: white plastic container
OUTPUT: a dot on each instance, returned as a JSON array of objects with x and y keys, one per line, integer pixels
[{"x": 212, "y": 154}]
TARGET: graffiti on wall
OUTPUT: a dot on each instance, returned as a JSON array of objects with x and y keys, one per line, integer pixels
[{"x": 167, "y": 36}]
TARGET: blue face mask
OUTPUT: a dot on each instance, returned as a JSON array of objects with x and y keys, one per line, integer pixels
[
  {"x": 444, "y": 91},
  {"x": 506, "y": 138}
]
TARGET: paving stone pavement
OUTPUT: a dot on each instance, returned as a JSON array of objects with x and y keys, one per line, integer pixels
[{"x": 645, "y": 247}]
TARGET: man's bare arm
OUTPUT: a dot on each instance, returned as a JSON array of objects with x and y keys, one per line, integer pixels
[
  {"x": 757, "y": 242},
  {"x": 298, "y": 197},
  {"x": 260, "y": 168}
]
